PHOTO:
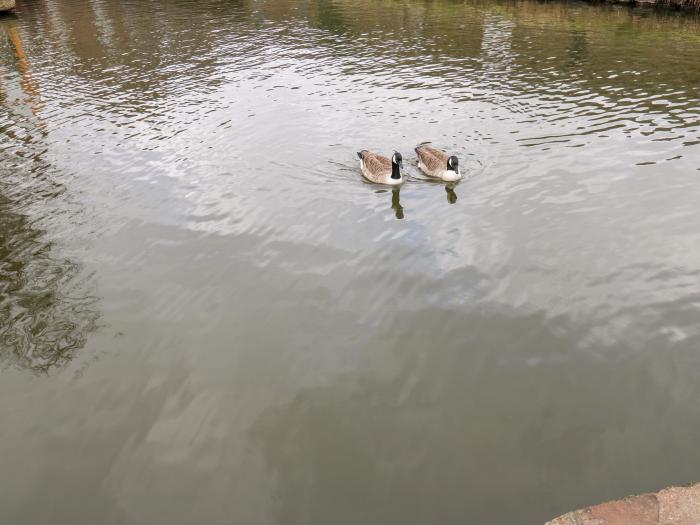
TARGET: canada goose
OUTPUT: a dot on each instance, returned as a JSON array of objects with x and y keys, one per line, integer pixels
[
  {"x": 438, "y": 164},
  {"x": 380, "y": 169}
]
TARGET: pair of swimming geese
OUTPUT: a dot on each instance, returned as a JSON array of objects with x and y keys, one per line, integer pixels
[{"x": 434, "y": 162}]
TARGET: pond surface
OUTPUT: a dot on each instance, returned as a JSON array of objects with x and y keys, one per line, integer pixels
[{"x": 206, "y": 316}]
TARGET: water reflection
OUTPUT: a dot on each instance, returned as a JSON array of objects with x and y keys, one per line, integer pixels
[
  {"x": 44, "y": 315},
  {"x": 453, "y": 425},
  {"x": 396, "y": 205},
  {"x": 186, "y": 159},
  {"x": 451, "y": 195},
  {"x": 396, "y": 202},
  {"x": 46, "y": 312},
  {"x": 29, "y": 84}
]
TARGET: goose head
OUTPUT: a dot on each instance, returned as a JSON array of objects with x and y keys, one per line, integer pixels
[
  {"x": 396, "y": 165},
  {"x": 453, "y": 164}
]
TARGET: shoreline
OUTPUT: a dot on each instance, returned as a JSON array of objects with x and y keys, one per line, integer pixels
[
  {"x": 690, "y": 6},
  {"x": 670, "y": 506}
]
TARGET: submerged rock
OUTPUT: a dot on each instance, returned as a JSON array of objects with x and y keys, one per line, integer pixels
[
  {"x": 6, "y": 4},
  {"x": 672, "y": 506}
]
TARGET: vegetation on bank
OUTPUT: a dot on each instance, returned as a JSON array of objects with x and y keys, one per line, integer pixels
[{"x": 687, "y": 5}]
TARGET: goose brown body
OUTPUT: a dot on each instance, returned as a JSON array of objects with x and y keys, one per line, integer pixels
[
  {"x": 378, "y": 168},
  {"x": 434, "y": 163}
]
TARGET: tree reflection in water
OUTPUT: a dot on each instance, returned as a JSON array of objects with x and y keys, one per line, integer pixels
[{"x": 45, "y": 312}]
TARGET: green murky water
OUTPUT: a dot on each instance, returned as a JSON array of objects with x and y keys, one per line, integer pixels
[{"x": 206, "y": 316}]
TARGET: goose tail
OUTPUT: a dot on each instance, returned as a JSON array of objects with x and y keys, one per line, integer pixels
[
  {"x": 359, "y": 155},
  {"x": 421, "y": 145}
]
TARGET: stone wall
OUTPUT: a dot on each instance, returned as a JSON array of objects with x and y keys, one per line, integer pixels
[
  {"x": 673, "y": 506},
  {"x": 6, "y": 4}
]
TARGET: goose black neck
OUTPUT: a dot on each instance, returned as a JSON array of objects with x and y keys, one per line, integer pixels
[{"x": 395, "y": 173}]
